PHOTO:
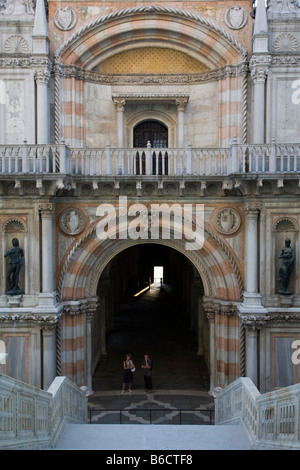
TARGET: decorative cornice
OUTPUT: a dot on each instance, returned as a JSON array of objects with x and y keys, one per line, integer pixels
[
  {"x": 286, "y": 60},
  {"x": 257, "y": 321},
  {"x": 44, "y": 320},
  {"x": 6, "y": 61},
  {"x": 150, "y": 9},
  {"x": 71, "y": 71}
]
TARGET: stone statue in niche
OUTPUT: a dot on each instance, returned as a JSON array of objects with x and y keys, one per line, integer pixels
[
  {"x": 16, "y": 261},
  {"x": 288, "y": 260}
]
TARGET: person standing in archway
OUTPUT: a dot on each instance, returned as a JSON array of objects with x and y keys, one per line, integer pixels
[
  {"x": 128, "y": 369},
  {"x": 147, "y": 366}
]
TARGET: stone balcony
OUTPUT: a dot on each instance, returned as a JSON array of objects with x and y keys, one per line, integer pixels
[{"x": 58, "y": 167}]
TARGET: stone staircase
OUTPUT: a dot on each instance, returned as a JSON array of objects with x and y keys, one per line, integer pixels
[{"x": 152, "y": 437}]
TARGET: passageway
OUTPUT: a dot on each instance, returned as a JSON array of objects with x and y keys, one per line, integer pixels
[{"x": 160, "y": 321}]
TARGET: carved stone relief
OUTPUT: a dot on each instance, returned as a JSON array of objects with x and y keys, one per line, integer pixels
[
  {"x": 227, "y": 221},
  {"x": 236, "y": 17},
  {"x": 16, "y": 44},
  {"x": 285, "y": 42},
  {"x": 17, "y": 7},
  {"x": 65, "y": 18},
  {"x": 72, "y": 221}
]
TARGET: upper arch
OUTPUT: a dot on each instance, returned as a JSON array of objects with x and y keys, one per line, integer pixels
[
  {"x": 150, "y": 25},
  {"x": 88, "y": 257}
]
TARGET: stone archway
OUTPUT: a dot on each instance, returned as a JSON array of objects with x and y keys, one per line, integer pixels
[{"x": 223, "y": 286}]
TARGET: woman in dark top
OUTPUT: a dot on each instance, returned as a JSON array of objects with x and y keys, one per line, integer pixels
[{"x": 128, "y": 373}]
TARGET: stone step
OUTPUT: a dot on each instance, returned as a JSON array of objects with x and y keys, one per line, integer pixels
[{"x": 152, "y": 437}]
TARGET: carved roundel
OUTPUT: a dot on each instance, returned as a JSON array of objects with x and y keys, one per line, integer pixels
[
  {"x": 227, "y": 221},
  {"x": 236, "y": 17},
  {"x": 65, "y": 18},
  {"x": 72, "y": 221}
]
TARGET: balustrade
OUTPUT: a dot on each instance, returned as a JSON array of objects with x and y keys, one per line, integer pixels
[
  {"x": 271, "y": 420},
  {"x": 237, "y": 159}
]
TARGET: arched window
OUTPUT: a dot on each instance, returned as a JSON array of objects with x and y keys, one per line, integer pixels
[
  {"x": 151, "y": 131},
  {"x": 156, "y": 133}
]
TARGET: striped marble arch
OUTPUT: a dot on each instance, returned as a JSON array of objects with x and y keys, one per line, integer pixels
[{"x": 142, "y": 26}]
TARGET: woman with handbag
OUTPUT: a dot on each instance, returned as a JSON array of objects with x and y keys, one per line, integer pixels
[{"x": 128, "y": 369}]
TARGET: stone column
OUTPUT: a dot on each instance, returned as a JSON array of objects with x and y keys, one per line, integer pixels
[
  {"x": 210, "y": 314},
  {"x": 90, "y": 313},
  {"x": 102, "y": 322},
  {"x": 48, "y": 295},
  {"x": 251, "y": 296},
  {"x": 251, "y": 353},
  {"x": 43, "y": 109},
  {"x": 259, "y": 66},
  {"x": 120, "y": 105},
  {"x": 2, "y": 112},
  {"x": 49, "y": 355},
  {"x": 181, "y": 104}
]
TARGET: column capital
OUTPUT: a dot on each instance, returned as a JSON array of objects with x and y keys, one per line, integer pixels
[
  {"x": 119, "y": 103},
  {"x": 181, "y": 103},
  {"x": 46, "y": 209},
  {"x": 42, "y": 76},
  {"x": 259, "y": 67},
  {"x": 253, "y": 208}
]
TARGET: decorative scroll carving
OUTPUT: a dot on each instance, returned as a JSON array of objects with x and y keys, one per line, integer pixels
[{"x": 71, "y": 71}]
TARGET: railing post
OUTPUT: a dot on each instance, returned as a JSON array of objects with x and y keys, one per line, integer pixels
[
  {"x": 148, "y": 159},
  {"x": 63, "y": 167},
  {"x": 108, "y": 163},
  {"x": 25, "y": 161},
  {"x": 234, "y": 157},
  {"x": 189, "y": 165},
  {"x": 273, "y": 156}
]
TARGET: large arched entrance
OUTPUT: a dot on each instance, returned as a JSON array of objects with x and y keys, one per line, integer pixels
[
  {"x": 86, "y": 292},
  {"x": 163, "y": 316}
]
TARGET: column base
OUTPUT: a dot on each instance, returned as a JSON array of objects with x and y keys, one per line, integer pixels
[
  {"x": 252, "y": 303},
  {"x": 46, "y": 299},
  {"x": 286, "y": 301},
  {"x": 47, "y": 303},
  {"x": 14, "y": 300}
]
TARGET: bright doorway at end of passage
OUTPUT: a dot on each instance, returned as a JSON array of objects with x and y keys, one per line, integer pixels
[{"x": 158, "y": 275}]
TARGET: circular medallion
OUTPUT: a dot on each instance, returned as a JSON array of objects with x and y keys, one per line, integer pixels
[
  {"x": 72, "y": 221},
  {"x": 236, "y": 17},
  {"x": 227, "y": 221},
  {"x": 65, "y": 18}
]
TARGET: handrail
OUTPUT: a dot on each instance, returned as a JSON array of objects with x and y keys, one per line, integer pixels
[
  {"x": 32, "y": 418},
  {"x": 131, "y": 414},
  {"x": 238, "y": 158},
  {"x": 271, "y": 420}
]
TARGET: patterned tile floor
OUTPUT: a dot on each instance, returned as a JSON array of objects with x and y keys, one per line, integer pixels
[{"x": 153, "y": 323}]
